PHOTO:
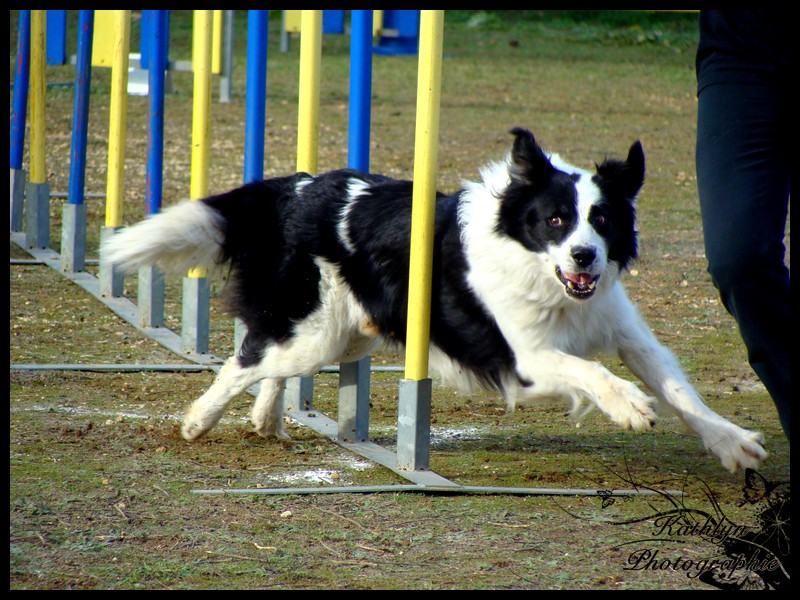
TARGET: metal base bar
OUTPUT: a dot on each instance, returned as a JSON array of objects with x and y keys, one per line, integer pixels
[
  {"x": 86, "y": 196},
  {"x": 33, "y": 261},
  {"x": 436, "y": 489},
  {"x": 121, "y": 368},
  {"x": 329, "y": 369}
]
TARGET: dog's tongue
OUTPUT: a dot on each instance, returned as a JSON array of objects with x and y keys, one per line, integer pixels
[{"x": 579, "y": 278}]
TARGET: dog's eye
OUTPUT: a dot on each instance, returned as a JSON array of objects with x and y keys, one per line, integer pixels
[
  {"x": 555, "y": 221},
  {"x": 599, "y": 220}
]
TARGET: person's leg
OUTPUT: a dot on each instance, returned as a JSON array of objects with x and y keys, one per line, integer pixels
[{"x": 743, "y": 182}]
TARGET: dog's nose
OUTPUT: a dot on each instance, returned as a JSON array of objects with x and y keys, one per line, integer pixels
[{"x": 583, "y": 255}]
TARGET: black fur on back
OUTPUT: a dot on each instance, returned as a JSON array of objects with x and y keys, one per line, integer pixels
[
  {"x": 275, "y": 281},
  {"x": 274, "y": 229}
]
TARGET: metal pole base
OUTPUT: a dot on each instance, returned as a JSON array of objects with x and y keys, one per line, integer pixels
[
  {"x": 151, "y": 297},
  {"x": 354, "y": 401},
  {"x": 414, "y": 424},
  {"x": 239, "y": 333},
  {"x": 37, "y": 204},
  {"x": 299, "y": 394},
  {"x": 17, "y": 198},
  {"x": 73, "y": 238},
  {"x": 195, "y": 318},
  {"x": 111, "y": 280}
]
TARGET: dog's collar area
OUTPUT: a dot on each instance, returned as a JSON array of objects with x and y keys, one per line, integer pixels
[{"x": 578, "y": 285}]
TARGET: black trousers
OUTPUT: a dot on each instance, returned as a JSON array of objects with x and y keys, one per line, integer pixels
[{"x": 744, "y": 185}]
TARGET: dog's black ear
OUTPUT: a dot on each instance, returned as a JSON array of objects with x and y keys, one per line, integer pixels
[
  {"x": 624, "y": 177},
  {"x": 635, "y": 162},
  {"x": 529, "y": 163}
]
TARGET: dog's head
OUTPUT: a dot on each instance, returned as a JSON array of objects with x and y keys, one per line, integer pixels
[{"x": 583, "y": 222}]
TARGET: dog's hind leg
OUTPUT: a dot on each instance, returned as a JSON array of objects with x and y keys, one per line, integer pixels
[
  {"x": 206, "y": 411},
  {"x": 267, "y": 413}
]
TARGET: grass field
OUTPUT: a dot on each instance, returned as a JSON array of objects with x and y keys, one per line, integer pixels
[{"x": 101, "y": 481}]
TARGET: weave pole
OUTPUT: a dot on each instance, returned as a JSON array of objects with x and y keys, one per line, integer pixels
[
  {"x": 19, "y": 109},
  {"x": 151, "y": 277},
  {"x": 255, "y": 94},
  {"x": 414, "y": 411},
  {"x": 308, "y": 93},
  {"x": 196, "y": 288},
  {"x": 360, "y": 90},
  {"x": 299, "y": 392},
  {"x": 37, "y": 190},
  {"x": 73, "y": 229},
  {"x": 354, "y": 384},
  {"x": 157, "y": 45},
  {"x": 111, "y": 281},
  {"x": 254, "y": 115}
]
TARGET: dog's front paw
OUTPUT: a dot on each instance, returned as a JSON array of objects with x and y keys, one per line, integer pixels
[
  {"x": 735, "y": 447},
  {"x": 196, "y": 424},
  {"x": 629, "y": 407}
]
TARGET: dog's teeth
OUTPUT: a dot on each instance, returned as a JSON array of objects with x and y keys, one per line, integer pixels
[{"x": 576, "y": 286}]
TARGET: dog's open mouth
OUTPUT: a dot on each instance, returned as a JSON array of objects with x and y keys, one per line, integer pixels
[{"x": 578, "y": 285}]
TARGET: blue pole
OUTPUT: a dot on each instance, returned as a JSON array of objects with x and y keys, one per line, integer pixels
[
  {"x": 20, "y": 100},
  {"x": 80, "y": 112},
  {"x": 256, "y": 94},
  {"x": 354, "y": 376},
  {"x": 254, "y": 115},
  {"x": 360, "y": 89},
  {"x": 157, "y": 48}
]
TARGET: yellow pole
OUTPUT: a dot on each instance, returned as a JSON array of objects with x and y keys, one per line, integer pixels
[
  {"x": 117, "y": 129},
  {"x": 201, "y": 110},
  {"x": 38, "y": 84},
  {"x": 308, "y": 102},
  {"x": 424, "y": 194}
]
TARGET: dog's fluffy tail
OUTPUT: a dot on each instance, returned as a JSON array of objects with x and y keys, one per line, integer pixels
[{"x": 182, "y": 237}]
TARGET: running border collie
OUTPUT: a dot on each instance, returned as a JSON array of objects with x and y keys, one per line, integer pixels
[{"x": 526, "y": 287}]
